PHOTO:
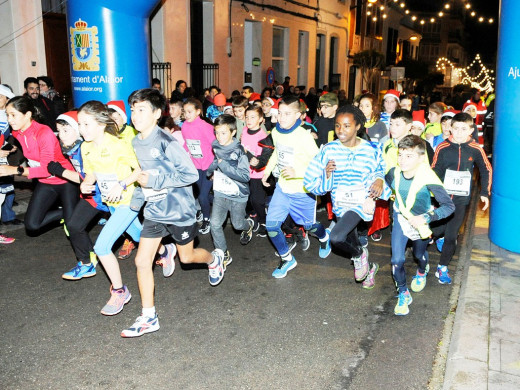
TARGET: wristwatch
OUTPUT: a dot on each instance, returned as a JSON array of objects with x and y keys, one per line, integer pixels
[{"x": 20, "y": 170}]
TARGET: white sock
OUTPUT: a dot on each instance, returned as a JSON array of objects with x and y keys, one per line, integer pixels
[
  {"x": 325, "y": 238},
  {"x": 149, "y": 312}
]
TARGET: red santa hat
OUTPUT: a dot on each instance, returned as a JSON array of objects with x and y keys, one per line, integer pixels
[
  {"x": 418, "y": 119},
  {"x": 274, "y": 108},
  {"x": 219, "y": 99},
  {"x": 450, "y": 113},
  {"x": 270, "y": 100},
  {"x": 119, "y": 107},
  {"x": 228, "y": 106},
  {"x": 71, "y": 117},
  {"x": 392, "y": 93},
  {"x": 254, "y": 97}
]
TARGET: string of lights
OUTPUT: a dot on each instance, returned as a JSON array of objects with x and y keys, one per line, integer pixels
[
  {"x": 483, "y": 81},
  {"x": 383, "y": 6}
]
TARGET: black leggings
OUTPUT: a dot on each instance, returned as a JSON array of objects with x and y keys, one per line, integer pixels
[
  {"x": 44, "y": 197},
  {"x": 344, "y": 234},
  {"x": 80, "y": 240},
  {"x": 257, "y": 197},
  {"x": 450, "y": 230}
]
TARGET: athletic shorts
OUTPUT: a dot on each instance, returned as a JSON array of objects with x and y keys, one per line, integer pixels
[
  {"x": 301, "y": 206},
  {"x": 182, "y": 235}
]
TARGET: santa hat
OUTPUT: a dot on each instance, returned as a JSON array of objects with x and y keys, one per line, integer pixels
[
  {"x": 468, "y": 105},
  {"x": 254, "y": 96},
  {"x": 71, "y": 117},
  {"x": 305, "y": 104},
  {"x": 274, "y": 108},
  {"x": 270, "y": 100},
  {"x": 6, "y": 92},
  {"x": 228, "y": 106},
  {"x": 418, "y": 119},
  {"x": 219, "y": 99},
  {"x": 392, "y": 93},
  {"x": 119, "y": 107},
  {"x": 450, "y": 113}
]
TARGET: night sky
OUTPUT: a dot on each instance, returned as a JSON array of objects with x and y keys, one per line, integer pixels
[{"x": 481, "y": 37}]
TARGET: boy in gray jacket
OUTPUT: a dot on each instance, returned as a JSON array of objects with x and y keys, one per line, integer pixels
[
  {"x": 166, "y": 178},
  {"x": 230, "y": 174}
]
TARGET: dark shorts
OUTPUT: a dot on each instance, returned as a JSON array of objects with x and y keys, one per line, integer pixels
[{"x": 182, "y": 235}]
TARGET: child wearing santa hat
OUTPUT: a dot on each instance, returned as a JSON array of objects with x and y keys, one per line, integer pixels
[
  {"x": 117, "y": 111},
  {"x": 390, "y": 104}
]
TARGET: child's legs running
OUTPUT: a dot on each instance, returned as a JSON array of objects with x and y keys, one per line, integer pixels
[
  {"x": 278, "y": 210},
  {"x": 204, "y": 186},
  {"x": 218, "y": 217},
  {"x": 38, "y": 214},
  {"x": 419, "y": 251},
  {"x": 8, "y": 213},
  {"x": 302, "y": 209},
  {"x": 237, "y": 211},
  {"x": 121, "y": 218},
  {"x": 399, "y": 241},
  {"x": 188, "y": 254},
  {"x": 144, "y": 262},
  {"x": 80, "y": 240},
  {"x": 451, "y": 233},
  {"x": 344, "y": 234},
  {"x": 257, "y": 198}
]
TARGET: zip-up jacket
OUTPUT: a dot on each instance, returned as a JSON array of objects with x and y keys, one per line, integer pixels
[{"x": 463, "y": 157}]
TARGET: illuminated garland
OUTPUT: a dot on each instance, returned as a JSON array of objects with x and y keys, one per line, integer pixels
[
  {"x": 383, "y": 5},
  {"x": 482, "y": 81}
]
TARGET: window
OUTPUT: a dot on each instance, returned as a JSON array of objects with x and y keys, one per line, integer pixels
[{"x": 279, "y": 53}]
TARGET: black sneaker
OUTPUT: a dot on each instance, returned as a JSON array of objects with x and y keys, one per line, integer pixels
[
  {"x": 227, "y": 259},
  {"x": 262, "y": 231},
  {"x": 205, "y": 227},
  {"x": 303, "y": 238},
  {"x": 246, "y": 235},
  {"x": 199, "y": 216}
]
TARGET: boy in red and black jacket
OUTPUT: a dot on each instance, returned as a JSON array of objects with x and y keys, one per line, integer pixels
[{"x": 453, "y": 162}]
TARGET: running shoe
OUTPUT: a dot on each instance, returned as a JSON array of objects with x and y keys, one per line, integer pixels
[
  {"x": 377, "y": 236},
  {"x": 227, "y": 259},
  {"x": 126, "y": 249},
  {"x": 102, "y": 222},
  {"x": 361, "y": 267},
  {"x": 303, "y": 238},
  {"x": 370, "y": 280},
  {"x": 93, "y": 258},
  {"x": 261, "y": 231},
  {"x": 216, "y": 271},
  {"x": 80, "y": 271},
  {"x": 418, "y": 282},
  {"x": 403, "y": 301},
  {"x": 117, "y": 301},
  {"x": 427, "y": 269},
  {"x": 256, "y": 225},
  {"x": 6, "y": 240},
  {"x": 205, "y": 227},
  {"x": 199, "y": 216},
  {"x": 167, "y": 260},
  {"x": 439, "y": 243},
  {"x": 141, "y": 326},
  {"x": 325, "y": 246},
  {"x": 363, "y": 240},
  {"x": 284, "y": 267},
  {"x": 290, "y": 243},
  {"x": 443, "y": 275},
  {"x": 247, "y": 235}
]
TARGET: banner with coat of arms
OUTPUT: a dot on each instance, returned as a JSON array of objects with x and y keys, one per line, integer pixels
[{"x": 84, "y": 44}]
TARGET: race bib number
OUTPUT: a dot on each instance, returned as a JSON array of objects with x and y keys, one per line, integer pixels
[
  {"x": 224, "y": 185},
  {"x": 3, "y": 160},
  {"x": 457, "y": 182},
  {"x": 151, "y": 195},
  {"x": 285, "y": 156},
  {"x": 408, "y": 230},
  {"x": 194, "y": 148},
  {"x": 106, "y": 181},
  {"x": 33, "y": 163},
  {"x": 348, "y": 197}
]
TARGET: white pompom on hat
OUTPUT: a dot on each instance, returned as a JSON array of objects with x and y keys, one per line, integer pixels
[{"x": 71, "y": 117}]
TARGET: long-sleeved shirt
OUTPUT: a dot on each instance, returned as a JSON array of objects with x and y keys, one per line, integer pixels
[
  {"x": 199, "y": 135},
  {"x": 168, "y": 193},
  {"x": 40, "y": 147},
  {"x": 356, "y": 169}
]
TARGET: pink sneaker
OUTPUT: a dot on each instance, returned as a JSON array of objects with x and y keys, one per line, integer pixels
[
  {"x": 361, "y": 267},
  {"x": 118, "y": 299},
  {"x": 6, "y": 240}
]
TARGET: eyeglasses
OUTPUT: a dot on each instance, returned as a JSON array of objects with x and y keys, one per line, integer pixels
[
  {"x": 285, "y": 114},
  {"x": 325, "y": 106}
]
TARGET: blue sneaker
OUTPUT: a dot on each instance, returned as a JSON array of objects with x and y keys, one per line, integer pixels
[
  {"x": 443, "y": 275},
  {"x": 216, "y": 271},
  {"x": 80, "y": 271},
  {"x": 325, "y": 246},
  {"x": 284, "y": 267},
  {"x": 363, "y": 240},
  {"x": 404, "y": 300},
  {"x": 418, "y": 282},
  {"x": 440, "y": 243},
  {"x": 141, "y": 326}
]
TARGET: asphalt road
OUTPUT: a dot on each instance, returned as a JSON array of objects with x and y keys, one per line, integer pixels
[{"x": 315, "y": 329}]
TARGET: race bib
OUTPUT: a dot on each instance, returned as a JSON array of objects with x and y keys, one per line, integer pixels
[
  {"x": 457, "y": 182},
  {"x": 76, "y": 164},
  {"x": 33, "y": 163},
  {"x": 348, "y": 197},
  {"x": 194, "y": 148},
  {"x": 408, "y": 230},
  {"x": 151, "y": 195},
  {"x": 106, "y": 181},
  {"x": 224, "y": 185},
  {"x": 3, "y": 160},
  {"x": 285, "y": 156}
]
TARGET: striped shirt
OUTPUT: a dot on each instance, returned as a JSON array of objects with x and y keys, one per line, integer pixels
[{"x": 356, "y": 169}]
